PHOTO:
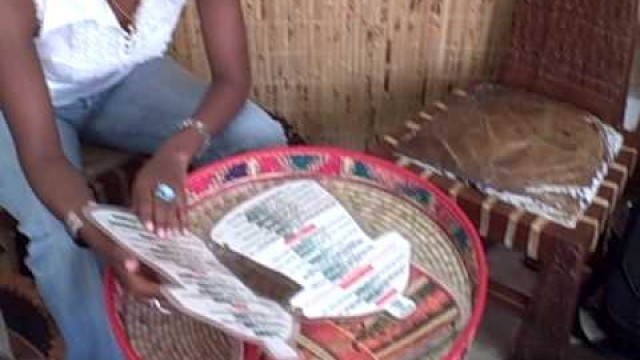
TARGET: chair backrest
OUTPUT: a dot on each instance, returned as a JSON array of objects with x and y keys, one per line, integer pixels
[{"x": 577, "y": 51}]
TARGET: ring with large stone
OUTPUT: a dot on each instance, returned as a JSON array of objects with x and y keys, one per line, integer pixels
[{"x": 165, "y": 193}]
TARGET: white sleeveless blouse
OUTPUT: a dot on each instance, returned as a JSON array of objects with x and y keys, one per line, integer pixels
[{"x": 83, "y": 49}]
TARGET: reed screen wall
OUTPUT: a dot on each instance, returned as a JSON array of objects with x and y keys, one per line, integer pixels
[{"x": 342, "y": 70}]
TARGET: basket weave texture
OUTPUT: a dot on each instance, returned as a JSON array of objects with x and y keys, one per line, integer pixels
[{"x": 379, "y": 195}]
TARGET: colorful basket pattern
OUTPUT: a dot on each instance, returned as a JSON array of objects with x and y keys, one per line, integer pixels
[
  {"x": 447, "y": 245},
  {"x": 325, "y": 164}
]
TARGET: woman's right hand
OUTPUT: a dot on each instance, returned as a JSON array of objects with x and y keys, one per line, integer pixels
[{"x": 138, "y": 279}]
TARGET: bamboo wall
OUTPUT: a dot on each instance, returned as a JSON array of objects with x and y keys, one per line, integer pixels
[{"x": 342, "y": 70}]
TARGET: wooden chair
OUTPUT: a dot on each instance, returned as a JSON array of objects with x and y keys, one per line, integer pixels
[{"x": 574, "y": 51}]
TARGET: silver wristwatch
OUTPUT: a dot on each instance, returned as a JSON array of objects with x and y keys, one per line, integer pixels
[
  {"x": 73, "y": 222},
  {"x": 199, "y": 127}
]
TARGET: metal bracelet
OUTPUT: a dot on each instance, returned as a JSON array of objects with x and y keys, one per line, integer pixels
[{"x": 199, "y": 127}]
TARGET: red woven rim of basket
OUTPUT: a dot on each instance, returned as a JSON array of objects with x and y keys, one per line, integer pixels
[{"x": 464, "y": 339}]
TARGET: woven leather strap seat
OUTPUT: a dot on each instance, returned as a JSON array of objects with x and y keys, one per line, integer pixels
[
  {"x": 563, "y": 251},
  {"x": 497, "y": 220},
  {"x": 578, "y": 53}
]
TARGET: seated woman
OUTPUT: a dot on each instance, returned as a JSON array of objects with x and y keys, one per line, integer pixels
[{"x": 94, "y": 70}]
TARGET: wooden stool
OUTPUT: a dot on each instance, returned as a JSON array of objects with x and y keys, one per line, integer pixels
[
  {"x": 110, "y": 173},
  {"x": 9, "y": 262},
  {"x": 32, "y": 332}
]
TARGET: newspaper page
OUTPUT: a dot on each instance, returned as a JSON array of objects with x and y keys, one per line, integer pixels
[
  {"x": 301, "y": 231},
  {"x": 200, "y": 285},
  {"x": 298, "y": 230}
]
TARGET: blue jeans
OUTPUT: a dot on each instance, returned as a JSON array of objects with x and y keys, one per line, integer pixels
[{"x": 138, "y": 115}]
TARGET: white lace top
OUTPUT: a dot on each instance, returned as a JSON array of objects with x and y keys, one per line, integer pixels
[{"x": 84, "y": 50}]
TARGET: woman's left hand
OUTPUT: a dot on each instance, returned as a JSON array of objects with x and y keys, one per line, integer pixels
[{"x": 166, "y": 170}]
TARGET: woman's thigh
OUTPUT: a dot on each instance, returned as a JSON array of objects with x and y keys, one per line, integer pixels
[
  {"x": 147, "y": 107},
  {"x": 144, "y": 109}
]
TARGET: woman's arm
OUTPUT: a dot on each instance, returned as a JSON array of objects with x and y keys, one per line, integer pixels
[
  {"x": 225, "y": 41},
  {"x": 226, "y": 44},
  {"x": 27, "y": 108},
  {"x": 25, "y": 103}
]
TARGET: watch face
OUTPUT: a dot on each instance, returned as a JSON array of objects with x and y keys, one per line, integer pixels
[{"x": 74, "y": 223}]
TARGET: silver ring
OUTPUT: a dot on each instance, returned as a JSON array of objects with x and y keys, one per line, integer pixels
[
  {"x": 158, "y": 305},
  {"x": 165, "y": 193}
]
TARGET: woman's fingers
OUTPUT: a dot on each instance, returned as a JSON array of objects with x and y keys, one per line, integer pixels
[
  {"x": 161, "y": 216},
  {"x": 141, "y": 286},
  {"x": 159, "y": 196},
  {"x": 134, "y": 279},
  {"x": 132, "y": 274},
  {"x": 129, "y": 269},
  {"x": 167, "y": 213},
  {"x": 177, "y": 221},
  {"x": 143, "y": 204},
  {"x": 181, "y": 214},
  {"x": 158, "y": 215},
  {"x": 173, "y": 223}
]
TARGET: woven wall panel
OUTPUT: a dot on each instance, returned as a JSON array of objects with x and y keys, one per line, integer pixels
[{"x": 342, "y": 70}]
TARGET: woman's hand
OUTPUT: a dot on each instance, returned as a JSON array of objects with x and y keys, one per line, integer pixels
[
  {"x": 139, "y": 280},
  {"x": 165, "y": 172}
]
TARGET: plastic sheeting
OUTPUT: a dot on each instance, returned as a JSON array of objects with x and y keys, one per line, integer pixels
[{"x": 527, "y": 150}]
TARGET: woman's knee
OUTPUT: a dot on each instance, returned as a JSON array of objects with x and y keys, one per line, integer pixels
[{"x": 255, "y": 128}]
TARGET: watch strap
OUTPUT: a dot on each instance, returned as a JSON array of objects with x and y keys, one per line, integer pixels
[{"x": 74, "y": 223}]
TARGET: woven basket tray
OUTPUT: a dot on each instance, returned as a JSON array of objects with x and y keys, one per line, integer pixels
[{"x": 379, "y": 195}]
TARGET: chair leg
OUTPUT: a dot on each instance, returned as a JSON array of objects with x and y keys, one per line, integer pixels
[{"x": 546, "y": 328}]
